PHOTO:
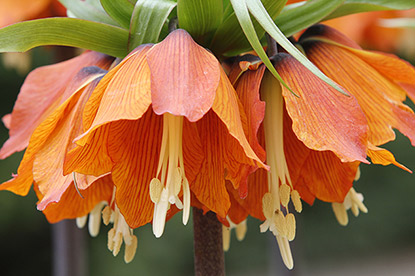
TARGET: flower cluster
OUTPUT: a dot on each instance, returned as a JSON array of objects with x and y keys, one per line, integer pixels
[{"x": 135, "y": 141}]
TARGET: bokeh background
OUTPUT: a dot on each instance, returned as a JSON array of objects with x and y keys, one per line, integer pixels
[{"x": 381, "y": 242}]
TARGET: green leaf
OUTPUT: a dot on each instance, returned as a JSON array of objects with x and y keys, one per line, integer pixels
[
  {"x": 357, "y": 6},
  {"x": 120, "y": 11},
  {"x": 147, "y": 21},
  {"x": 89, "y": 10},
  {"x": 300, "y": 17},
  {"x": 230, "y": 39},
  {"x": 73, "y": 32},
  {"x": 259, "y": 12},
  {"x": 241, "y": 11},
  {"x": 199, "y": 17}
]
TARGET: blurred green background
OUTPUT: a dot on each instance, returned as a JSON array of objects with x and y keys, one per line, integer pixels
[{"x": 381, "y": 242}]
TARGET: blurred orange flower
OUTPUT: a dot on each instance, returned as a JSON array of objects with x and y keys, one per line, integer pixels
[
  {"x": 12, "y": 11},
  {"x": 369, "y": 30}
]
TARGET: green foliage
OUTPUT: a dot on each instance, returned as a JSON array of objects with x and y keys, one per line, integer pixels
[
  {"x": 120, "y": 11},
  {"x": 229, "y": 38},
  {"x": 74, "y": 32},
  {"x": 293, "y": 20},
  {"x": 147, "y": 21},
  {"x": 89, "y": 10},
  {"x": 199, "y": 17}
]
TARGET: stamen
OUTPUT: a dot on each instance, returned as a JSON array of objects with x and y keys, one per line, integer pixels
[
  {"x": 283, "y": 227},
  {"x": 357, "y": 199},
  {"x": 340, "y": 213},
  {"x": 111, "y": 235},
  {"x": 130, "y": 250},
  {"x": 81, "y": 221},
  {"x": 353, "y": 201},
  {"x": 117, "y": 244},
  {"x": 155, "y": 190},
  {"x": 241, "y": 230},
  {"x": 296, "y": 199},
  {"x": 107, "y": 215},
  {"x": 171, "y": 179},
  {"x": 94, "y": 221},
  {"x": 267, "y": 205},
  {"x": 119, "y": 233},
  {"x": 279, "y": 226},
  {"x": 226, "y": 237},
  {"x": 290, "y": 221},
  {"x": 357, "y": 174},
  {"x": 284, "y": 194},
  {"x": 285, "y": 251}
]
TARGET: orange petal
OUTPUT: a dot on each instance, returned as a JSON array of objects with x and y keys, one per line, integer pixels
[
  {"x": 124, "y": 93},
  {"x": 391, "y": 67},
  {"x": 257, "y": 187},
  {"x": 226, "y": 106},
  {"x": 43, "y": 135},
  {"x": 71, "y": 205},
  {"x": 135, "y": 166},
  {"x": 66, "y": 119},
  {"x": 236, "y": 213},
  {"x": 209, "y": 186},
  {"x": 248, "y": 93},
  {"x": 313, "y": 173},
  {"x": 92, "y": 158},
  {"x": 388, "y": 65},
  {"x": 379, "y": 98},
  {"x": 7, "y": 120},
  {"x": 192, "y": 151},
  {"x": 322, "y": 118},
  {"x": 384, "y": 157},
  {"x": 42, "y": 91},
  {"x": 14, "y": 11},
  {"x": 184, "y": 76}
]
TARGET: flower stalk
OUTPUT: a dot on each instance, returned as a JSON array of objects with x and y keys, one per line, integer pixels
[{"x": 208, "y": 250}]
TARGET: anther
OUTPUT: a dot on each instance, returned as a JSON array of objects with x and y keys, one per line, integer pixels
[
  {"x": 296, "y": 199},
  {"x": 285, "y": 194}
]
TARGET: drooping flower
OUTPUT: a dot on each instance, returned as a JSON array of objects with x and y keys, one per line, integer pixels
[
  {"x": 328, "y": 125},
  {"x": 61, "y": 91},
  {"x": 316, "y": 140},
  {"x": 46, "y": 129},
  {"x": 166, "y": 124}
]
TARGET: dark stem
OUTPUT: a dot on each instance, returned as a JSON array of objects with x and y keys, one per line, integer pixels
[
  {"x": 173, "y": 23},
  {"x": 208, "y": 246},
  {"x": 272, "y": 48},
  {"x": 69, "y": 254}
]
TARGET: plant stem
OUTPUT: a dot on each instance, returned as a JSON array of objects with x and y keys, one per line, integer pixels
[
  {"x": 69, "y": 254},
  {"x": 208, "y": 247}
]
